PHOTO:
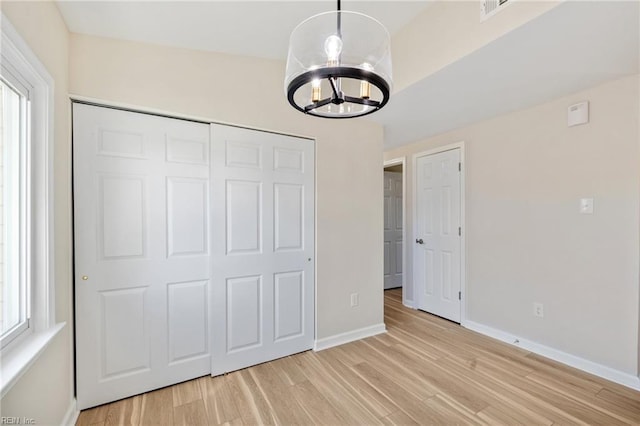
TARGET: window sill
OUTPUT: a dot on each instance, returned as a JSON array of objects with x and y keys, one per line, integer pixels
[{"x": 17, "y": 360}]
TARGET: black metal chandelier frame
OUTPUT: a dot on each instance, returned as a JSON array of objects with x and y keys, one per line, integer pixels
[{"x": 333, "y": 74}]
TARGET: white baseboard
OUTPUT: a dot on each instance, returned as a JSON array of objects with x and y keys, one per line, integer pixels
[
  {"x": 594, "y": 368},
  {"x": 349, "y": 336},
  {"x": 71, "y": 416}
]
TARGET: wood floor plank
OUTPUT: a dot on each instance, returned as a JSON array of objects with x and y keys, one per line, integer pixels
[
  {"x": 290, "y": 370},
  {"x": 278, "y": 395},
  {"x": 494, "y": 391},
  {"x": 565, "y": 372},
  {"x": 337, "y": 392},
  {"x": 586, "y": 397},
  {"x": 556, "y": 407},
  {"x": 399, "y": 418},
  {"x": 252, "y": 405},
  {"x": 494, "y": 415},
  {"x": 621, "y": 404},
  {"x": 189, "y": 414},
  {"x": 616, "y": 389},
  {"x": 408, "y": 379},
  {"x": 218, "y": 401},
  {"x": 316, "y": 406},
  {"x": 408, "y": 403},
  {"x": 425, "y": 370},
  {"x": 234, "y": 422},
  {"x": 432, "y": 379},
  {"x": 451, "y": 413},
  {"x": 157, "y": 407},
  {"x": 124, "y": 412},
  {"x": 186, "y": 392},
  {"x": 378, "y": 404},
  {"x": 92, "y": 416},
  {"x": 424, "y": 349},
  {"x": 346, "y": 354}
]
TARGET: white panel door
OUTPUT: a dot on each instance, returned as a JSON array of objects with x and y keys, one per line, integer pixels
[
  {"x": 142, "y": 250},
  {"x": 263, "y": 247},
  {"x": 392, "y": 230},
  {"x": 437, "y": 260}
]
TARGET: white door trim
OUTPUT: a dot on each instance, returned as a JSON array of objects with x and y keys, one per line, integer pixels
[
  {"x": 395, "y": 162},
  {"x": 463, "y": 242}
]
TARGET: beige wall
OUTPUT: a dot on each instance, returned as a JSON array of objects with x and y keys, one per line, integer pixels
[
  {"x": 45, "y": 392},
  {"x": 249, "y": 92},
  {"x": 526, "y": 241},
  {"x": 448, "y": 30}
]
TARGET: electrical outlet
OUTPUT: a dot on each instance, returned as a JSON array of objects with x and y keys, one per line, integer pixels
[
  {"x": 355, "y": 300},
  {"x": 586, "y": 205},
  {"x": 538, "y": 310}
]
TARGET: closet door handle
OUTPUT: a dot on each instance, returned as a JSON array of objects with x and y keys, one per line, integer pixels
[{"x": 419, "y": 241}]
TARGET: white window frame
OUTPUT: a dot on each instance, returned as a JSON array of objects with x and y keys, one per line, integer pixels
[
  {"x": 23, "y": 350},
  {"x": 16, "y": 186}
]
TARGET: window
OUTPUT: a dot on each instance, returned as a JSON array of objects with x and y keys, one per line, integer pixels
[
  {"x": 14, "y": 291},
  {"x": 26, "y": 207}
]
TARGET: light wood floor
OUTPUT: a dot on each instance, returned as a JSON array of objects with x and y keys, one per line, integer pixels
[{"x": 425, "y": 370}]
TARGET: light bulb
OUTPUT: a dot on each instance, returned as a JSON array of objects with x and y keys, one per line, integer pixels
[
  {"x": 333, "y": 47},
  {"x": 365, "y": 87},
  {"x": 315, "y": 90}
]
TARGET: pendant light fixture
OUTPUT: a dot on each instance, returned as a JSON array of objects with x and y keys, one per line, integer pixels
[{"x": 339, "y": 65}]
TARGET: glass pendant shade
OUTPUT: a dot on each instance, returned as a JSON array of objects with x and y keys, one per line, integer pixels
[{"x": 339, "y": 65}]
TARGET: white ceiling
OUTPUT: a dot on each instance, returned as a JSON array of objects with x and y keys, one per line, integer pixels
[
  {"x": 252, "y": 28},
  {"x": 572, "y": 47}
]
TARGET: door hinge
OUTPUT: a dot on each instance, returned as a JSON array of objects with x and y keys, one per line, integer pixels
[
  {"x": 459, "y": 167},
  {"x": 459, "y": 231},
  {"x": 459, "y": 295}
]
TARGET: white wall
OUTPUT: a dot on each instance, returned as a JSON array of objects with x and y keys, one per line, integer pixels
[
  {"x": 249, "y": 92},
  {"x": 526, "y": 241},
  {"x": 448, "y": 30},
  {"x": 45, "y": 392}
]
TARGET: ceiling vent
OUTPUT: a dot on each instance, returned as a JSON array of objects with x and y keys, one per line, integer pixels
[{"x": 489, "y": 8}]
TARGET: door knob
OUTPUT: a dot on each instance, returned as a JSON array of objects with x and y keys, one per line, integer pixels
[{"x": 419, "y": 241}]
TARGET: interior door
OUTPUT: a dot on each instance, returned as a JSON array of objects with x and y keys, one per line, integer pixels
[
  {"x": 141, "y": 228},
  {"x": 437, "y": 260},
  {"x": 392, "y": 230},
  {"x": 263, "y": 247}
]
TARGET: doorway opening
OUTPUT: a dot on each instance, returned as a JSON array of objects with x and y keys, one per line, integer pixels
[{"x": 394, "y": 224}]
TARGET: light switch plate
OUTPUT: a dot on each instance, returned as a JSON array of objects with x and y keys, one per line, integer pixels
[{"x": 586, "y": 205}]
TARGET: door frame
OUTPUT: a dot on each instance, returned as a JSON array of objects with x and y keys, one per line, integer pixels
[
  {"x": 395, "y": 162},
  {"x": 463, "y": 238}
]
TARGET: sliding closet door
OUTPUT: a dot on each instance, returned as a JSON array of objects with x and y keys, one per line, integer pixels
[
  {"x": 142, "y": 252},
  {"x": 263, "y": 247}
]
